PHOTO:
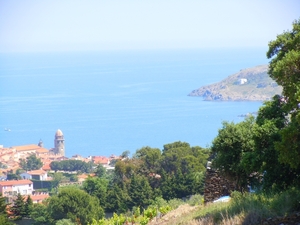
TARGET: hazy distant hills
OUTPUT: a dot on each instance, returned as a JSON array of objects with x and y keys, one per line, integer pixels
[{"x": 252, "y": 84}]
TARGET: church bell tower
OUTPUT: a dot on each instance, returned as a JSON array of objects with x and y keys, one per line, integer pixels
[{"x": 59, "y": 143}]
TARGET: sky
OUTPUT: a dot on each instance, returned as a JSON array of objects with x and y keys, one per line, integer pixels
[{"x": 101, "y": 25}]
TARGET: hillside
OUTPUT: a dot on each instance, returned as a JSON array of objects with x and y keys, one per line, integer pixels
[{"x": 252, "y": 84}]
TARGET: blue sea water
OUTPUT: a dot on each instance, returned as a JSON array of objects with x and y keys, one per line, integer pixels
[{"x": 109, "y": 102}]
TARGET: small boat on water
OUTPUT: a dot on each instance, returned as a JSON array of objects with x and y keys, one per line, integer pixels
[{"x": 6, "y": 129}]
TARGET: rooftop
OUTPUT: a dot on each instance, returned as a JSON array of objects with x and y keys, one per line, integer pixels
[{"x": 15, "y": 182}]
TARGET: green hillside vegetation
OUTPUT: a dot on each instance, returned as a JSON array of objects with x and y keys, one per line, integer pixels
[
  {"x": 165, "y": 186},
  {"x": 148, "y": 181},
  {"x": 252, "y": 84}
]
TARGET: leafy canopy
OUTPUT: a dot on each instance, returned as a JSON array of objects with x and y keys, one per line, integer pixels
[{"x": 31, "y": 163}]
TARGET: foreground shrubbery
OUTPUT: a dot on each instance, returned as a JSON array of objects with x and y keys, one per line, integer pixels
[
  {"x": 136, "y": 216},
  {"x": 158, "y": 209},
  {"x": 247, "y": 209}
]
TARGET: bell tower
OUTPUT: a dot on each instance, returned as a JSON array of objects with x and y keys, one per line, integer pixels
[{"x": 59, "y": 143}]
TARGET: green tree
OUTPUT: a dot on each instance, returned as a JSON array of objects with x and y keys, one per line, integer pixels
[
  {"x": 151, "y": 159},
  {"x": 232, "y": 143},
  {"x": 100, "y": 171},
  {"x": 180, "y": 155},
  {"x": 167, "y": 185},
  {"x": 28, "y": 206},
  {"x": 139, "y": 191},
  {"x": 3, "y": 211},
  {"x": 284, "y": 53},
  {"x": 75, "y": 204},
  {"x": 72, "y": 165},
  {"x": 117, "y": 198},
  {"x": 31, "y": 163},
  {"x": 40, "y": 214},
  {"x": 125, "y": 154},
  {"x": 57, "y": 178},
  {"x": 125, "y": 169},
  {"x": 13, "y": 176},
  {"x": 270, "y": 120},
  {"x": 18, "y": 208},
  {"x": 97, "y": 187},
  {"x": 289, "y": 146},
  {"x": 172, "y": 155}
]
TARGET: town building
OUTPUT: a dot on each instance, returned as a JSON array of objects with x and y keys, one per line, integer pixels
[
  {"x": 11, "y": 188},
  {"x": 39, "y": 197},
  {"x": 35, "y": 175}
]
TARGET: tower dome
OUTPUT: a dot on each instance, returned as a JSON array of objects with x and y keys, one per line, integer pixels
[{"x": 58, "y": 133}]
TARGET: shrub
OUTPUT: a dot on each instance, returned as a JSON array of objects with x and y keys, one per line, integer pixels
[{"x": 196, "y": 200}]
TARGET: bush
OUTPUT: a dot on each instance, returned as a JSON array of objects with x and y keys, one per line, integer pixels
[
  {"x": 174, "y": 203},
  {"x": 159, "y": 202},
  {"x": 196, "y": 200}
]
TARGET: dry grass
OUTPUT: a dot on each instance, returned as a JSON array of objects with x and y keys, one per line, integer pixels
[
  {"x": 174, "y": 216},
  {"x": 247, "y": 209},
  {"x": 236, "y": 220}
]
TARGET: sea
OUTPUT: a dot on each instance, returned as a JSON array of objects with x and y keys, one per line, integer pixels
[{"x": 109, "y": 102}]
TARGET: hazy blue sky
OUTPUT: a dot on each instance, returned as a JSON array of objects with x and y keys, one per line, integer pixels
[{"x": 64, "y": 25}]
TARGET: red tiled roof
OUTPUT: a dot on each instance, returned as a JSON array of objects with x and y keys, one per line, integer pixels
[
  {"x": 31, "y": 147},
  {"x": 42, "y": 150},
  {"x": 100, "y": 159},
  {"x": 39, "y": 197},
  {"x": 46, "y": 166},
  {"x": 26, "y": 147},
  {"x": 84, "y": 176},
  {"x": 15, "y": 182}
]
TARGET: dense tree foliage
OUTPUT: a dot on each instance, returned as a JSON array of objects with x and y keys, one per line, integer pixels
[
  {"x": 139, "y": 191},
  {"x": 247, "y": 152},
  {"x": 18, "y": 208},
  {"x": 270, "y": 121},
  {"x": 232, "y": 146},
  {"x": 28, "y": 206},
  {"x": 117, "y": 198},
  {"x": 284, "y": 53},
  {"x": 13, "y": 176},
  {"x": 40, "y": 214},
  {"x": 100, "y": 171},
  {"x": 31, "y": 163},
  {"x": 3, "y": 211},
  {"x": 76, "y": 205},
  {"x": 97, "y": 187},
  {"x": 71, "y": 165}
]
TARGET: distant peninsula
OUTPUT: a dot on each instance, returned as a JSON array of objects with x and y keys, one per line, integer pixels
[{"x": 252, "y": 84}]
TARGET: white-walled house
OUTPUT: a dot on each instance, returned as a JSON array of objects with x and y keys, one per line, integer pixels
[
  {"x": 243, "y": 81},
  {"x": 11, "y": 188},
  {"x": 35, "y": 174}
]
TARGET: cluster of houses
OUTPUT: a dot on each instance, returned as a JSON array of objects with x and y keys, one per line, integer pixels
[{"x": 10, "y": 158}]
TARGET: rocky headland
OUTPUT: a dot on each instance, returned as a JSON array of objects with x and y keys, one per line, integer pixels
[{"x": 252, "y": 84}]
